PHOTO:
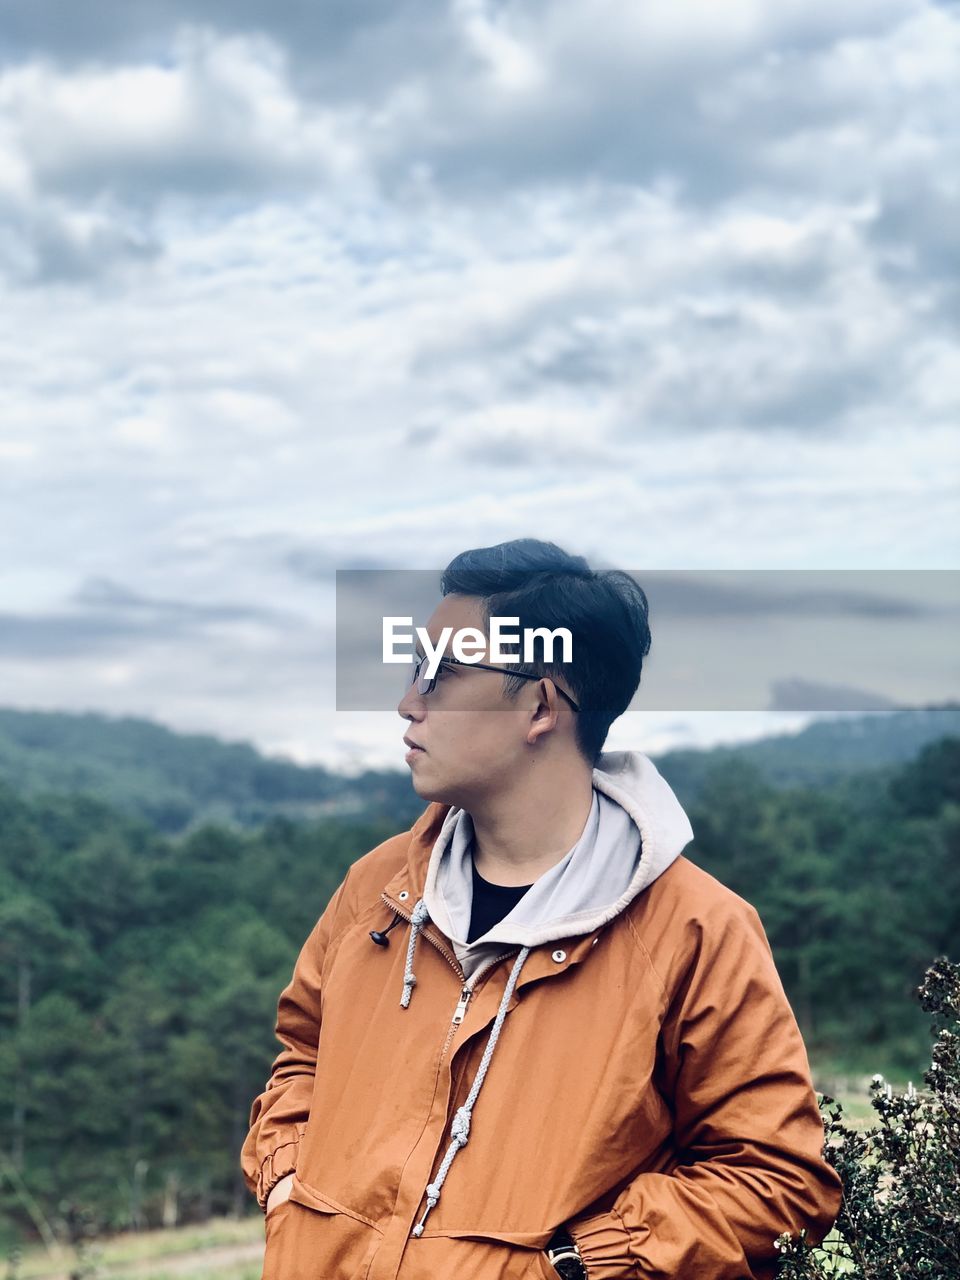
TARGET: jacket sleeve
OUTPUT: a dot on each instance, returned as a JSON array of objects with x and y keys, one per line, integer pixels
[
  {"x": 747, "y": 1128},
  {"x": 278, "y": 1116}
]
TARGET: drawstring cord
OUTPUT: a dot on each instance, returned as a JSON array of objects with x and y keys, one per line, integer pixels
[
  {"x": 419, "y": 918},
  {"x": 460, "y": 1128}
]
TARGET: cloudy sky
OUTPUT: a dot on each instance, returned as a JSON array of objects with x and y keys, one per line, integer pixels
[{"x": 296, "y": 287}]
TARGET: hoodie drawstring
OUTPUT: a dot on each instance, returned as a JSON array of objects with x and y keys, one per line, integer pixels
[
  {"x": 460, "y": 1128},
  {"x": 419, "y": 918}
]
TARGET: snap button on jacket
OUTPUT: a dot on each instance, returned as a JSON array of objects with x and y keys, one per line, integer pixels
[{"x": 647, "y": 1087}]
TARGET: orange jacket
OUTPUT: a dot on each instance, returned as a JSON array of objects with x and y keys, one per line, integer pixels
[{"x": 643, "y": 1083}]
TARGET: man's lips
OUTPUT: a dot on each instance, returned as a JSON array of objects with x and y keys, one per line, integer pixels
[{"x": 414, "y": 748}]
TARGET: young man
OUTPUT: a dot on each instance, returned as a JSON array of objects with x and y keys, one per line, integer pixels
[{"x": 591, "y": 1067}]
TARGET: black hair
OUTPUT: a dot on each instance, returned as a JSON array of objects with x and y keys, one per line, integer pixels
[{"x": 605, "y": 610}]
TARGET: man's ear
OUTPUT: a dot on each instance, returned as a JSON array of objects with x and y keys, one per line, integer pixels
[{"x": 545, "y": 711}]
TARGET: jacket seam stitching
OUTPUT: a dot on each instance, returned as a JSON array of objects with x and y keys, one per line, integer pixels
[
  {"x": 340, "y": 1208},
  {"x": 642, "y": 948},
  {"x": 630, "y": 1249}
]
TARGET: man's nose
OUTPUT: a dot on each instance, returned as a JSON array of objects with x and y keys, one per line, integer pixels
[{"x": 410, "y": 706}]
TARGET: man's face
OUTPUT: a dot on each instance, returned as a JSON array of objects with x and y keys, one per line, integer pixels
[{"x": 472, "y": 737}]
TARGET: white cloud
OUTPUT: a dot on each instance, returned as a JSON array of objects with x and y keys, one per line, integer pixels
[
  {"x": 219, "y": 117},
  {"x": 513, "y": 63}
]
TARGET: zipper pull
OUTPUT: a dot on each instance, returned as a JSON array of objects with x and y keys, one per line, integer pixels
[{"x": 461, "y": 1008}]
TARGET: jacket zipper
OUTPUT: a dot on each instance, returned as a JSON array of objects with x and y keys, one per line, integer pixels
[
  {"x": 461, "y": 1008},
  {"x": 489, "y": 965},
  {"x": 451, "y": 959},
  {"x": 467, "y": 990}
]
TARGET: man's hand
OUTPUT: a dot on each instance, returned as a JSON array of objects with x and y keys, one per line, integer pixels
[{"x": 280, "y": 1192}]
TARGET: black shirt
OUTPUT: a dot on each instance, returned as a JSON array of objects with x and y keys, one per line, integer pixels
[{"x": 491, "y": 902}]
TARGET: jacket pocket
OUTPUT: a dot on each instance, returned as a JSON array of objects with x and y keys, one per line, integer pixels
[
  {"x": 312, "y": 1238},
  {"x": 473, "y": 1256}
]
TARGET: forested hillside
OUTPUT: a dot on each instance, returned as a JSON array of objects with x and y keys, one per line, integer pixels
[
  {"x": 138, "y": 986},
  {"x": 178, "y": 780},
  {"x": 139, "y": 971}
]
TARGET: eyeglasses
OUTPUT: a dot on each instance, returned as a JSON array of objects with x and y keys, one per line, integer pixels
[{"x": 426, "y": 683}]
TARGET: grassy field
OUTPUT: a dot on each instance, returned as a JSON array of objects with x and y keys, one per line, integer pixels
[
  {"x": 223, "y": 1247},
  {"x": 851, "y": 1088}
]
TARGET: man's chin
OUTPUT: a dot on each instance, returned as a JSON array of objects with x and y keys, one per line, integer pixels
[
  {"x": 431, "y": 791},
  {"x": 425, "y": 791}
]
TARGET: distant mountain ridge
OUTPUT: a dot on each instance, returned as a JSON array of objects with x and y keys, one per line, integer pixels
[
  {"x": 178, "y": 780},
  {"x": 824, "y": 753}
]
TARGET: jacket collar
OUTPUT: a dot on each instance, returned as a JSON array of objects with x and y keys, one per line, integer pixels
[{"x": 405, "y": 889}]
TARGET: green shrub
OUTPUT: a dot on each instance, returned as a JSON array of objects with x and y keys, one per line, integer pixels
[{"x": 900, "y": 1214}]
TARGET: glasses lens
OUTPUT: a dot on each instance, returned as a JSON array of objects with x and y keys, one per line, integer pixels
[
  {"x": 416, "y": 674},
  {"x": 424, "y": 682}
]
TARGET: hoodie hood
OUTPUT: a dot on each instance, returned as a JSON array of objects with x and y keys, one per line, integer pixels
[{"x": 635, "y": 829}]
